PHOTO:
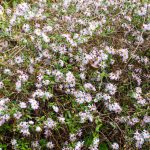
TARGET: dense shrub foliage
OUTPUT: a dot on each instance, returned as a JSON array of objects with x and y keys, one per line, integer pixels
[{"x": 74, "y": 74}]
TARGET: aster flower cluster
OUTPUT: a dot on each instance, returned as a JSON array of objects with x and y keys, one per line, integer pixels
[{"x": 74, "y": 74}]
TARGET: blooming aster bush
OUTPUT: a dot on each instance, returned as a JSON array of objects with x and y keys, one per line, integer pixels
[{"x": 74, "y": 74}]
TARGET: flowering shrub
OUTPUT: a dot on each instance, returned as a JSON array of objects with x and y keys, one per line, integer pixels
[{"x": 74, "y": 74}]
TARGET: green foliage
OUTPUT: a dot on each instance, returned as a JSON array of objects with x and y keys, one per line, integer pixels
[{"x": 103, "y": 146}]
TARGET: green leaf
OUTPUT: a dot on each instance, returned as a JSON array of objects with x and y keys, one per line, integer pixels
[
  {"x": 3, "y": 146},
  {"x": 103, "y": 146},
  {"x": 42, "y": 142},
  {"x": 98, "y": 127},
  {"x": 88, "y": 140}
]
